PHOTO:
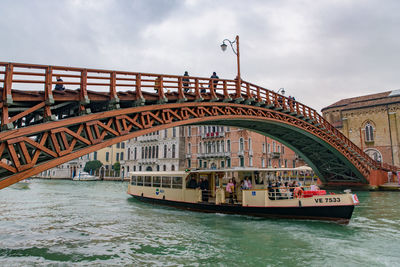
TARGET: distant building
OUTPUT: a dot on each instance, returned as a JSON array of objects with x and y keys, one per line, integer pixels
[
  {"x": 214, "y": 147},
  {"x": 108, "y": 156},
  {"x": 157, "y": 151},
  {"x": 372, "y": 122}
]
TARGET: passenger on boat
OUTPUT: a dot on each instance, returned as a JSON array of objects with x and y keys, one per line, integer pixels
[
  {"x": 242, "y": 185},
  {"x": 235, "y": 190},
  {"x": 247, "y": 183},
  {"x": 192, "y": 183},
  {"x": 204, "y": 189},
  {"x": 314, "y": 187},
  {"x": 230, "y": 188}
]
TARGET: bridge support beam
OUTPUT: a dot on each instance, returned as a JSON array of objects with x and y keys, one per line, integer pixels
[{"x": 377, "y": 178}]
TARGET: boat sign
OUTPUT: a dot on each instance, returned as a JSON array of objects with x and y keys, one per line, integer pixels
[{"x": 253, "y": 193}]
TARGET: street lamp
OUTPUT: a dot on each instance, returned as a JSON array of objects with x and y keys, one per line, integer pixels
[
  {"x": 282, "y": 90},
  {"x": 236, "y": 52}
]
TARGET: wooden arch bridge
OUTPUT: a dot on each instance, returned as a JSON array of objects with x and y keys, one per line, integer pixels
[{"x": 42, "y": 127}]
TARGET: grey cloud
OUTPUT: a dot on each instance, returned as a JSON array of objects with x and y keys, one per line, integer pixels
[{"x": 321, "y": 51}]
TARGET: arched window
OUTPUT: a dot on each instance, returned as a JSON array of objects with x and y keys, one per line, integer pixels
[
  {"x": 173, "y": 168},
  {"x": 145, "y": 152},
  {"x": 165, "y": 151},
  {"x": 134, "y": 153},
  {"x": 129, "y": 153},
  {"x": 369, "y": 133},
  {"x": 241, "y": 144},
  {"x": 173, "y": 151},
  {"x": 157, "y": 152},
  {"x": 164, "y": 168},
  {"x": 189, "y": 148}
]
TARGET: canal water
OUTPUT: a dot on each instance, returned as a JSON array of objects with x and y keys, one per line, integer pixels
[{"x": 66, "y": 223}]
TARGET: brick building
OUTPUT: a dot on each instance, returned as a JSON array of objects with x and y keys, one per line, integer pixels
[
  {"x": 227, "y": 147},
  {"x": 371, "y": 122}
]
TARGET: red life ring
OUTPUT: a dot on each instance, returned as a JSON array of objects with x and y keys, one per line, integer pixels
[{"x": 298, "y": 192}]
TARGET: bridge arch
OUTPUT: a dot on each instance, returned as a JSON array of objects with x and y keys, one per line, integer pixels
[{"x": 318, "y": 149}]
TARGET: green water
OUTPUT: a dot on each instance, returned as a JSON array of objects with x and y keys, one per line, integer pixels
[{"x": 66, "y": 223}]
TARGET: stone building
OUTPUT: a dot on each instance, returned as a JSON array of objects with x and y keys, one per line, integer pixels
[
  {"x": 157, "y": 151},
  {"x": 371, "y": 122}
]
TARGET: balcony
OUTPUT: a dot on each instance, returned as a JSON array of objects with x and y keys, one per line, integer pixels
[
  {"x": 147, "y": 161},
  {"x": 275, "y": 155},
  {"x": 212, "y": 135},
  {"x": 241, "y": 153},
  {"x": 214, "y": 155},
  {"x": 150, "y": 138}
]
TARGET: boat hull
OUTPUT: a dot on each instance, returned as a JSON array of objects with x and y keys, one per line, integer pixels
[{"x": 340, "y": 214}]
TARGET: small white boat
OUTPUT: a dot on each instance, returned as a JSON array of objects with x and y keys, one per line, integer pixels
[{"x": 84, "y": 176}]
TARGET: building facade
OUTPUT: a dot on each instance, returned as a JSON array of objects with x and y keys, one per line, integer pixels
[
  {"x": 215, "y": 147},
  {"x": 108, "y": 156},
  {"x": 157, "y": 151},
  {"x": 371, "y": 122}
]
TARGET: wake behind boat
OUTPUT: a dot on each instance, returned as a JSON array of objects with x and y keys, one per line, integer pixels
[
  {"x": 206, "y": 191},
  {"x": 84, "y": 176}
]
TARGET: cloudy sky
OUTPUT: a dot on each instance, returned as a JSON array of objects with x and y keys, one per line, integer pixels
[{"x": 319, "y": 51}]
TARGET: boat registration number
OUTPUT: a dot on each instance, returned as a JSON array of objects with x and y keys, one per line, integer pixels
[{"x": 327, "y": 200}]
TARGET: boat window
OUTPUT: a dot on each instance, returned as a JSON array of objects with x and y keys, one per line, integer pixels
[
  {"x": 257, "y": 177},
  {"x": 147, "y": 181},
  {"x": 166, "y": 182},
  {"x": 156, "y": 181},
  {"x": 133, "y": 180},
  {"x": 177, "y": 182},
  {"x": 140, "y": 180}
]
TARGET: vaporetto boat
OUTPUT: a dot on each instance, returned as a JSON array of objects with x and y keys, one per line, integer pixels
[{"x": 205, "y": 191}]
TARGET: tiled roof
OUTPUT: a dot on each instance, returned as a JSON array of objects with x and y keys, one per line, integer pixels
[{"x": 366, "y": 100}]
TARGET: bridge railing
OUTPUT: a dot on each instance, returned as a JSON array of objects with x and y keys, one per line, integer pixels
[{"x": 93, "y": 84}]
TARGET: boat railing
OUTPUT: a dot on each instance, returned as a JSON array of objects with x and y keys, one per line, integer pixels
[{"x": 275, "y": 193}]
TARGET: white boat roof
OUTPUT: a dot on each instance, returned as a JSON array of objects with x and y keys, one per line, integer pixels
[
  {"x": 156, "y": 173},
  {"x": 171, "y": 173}
]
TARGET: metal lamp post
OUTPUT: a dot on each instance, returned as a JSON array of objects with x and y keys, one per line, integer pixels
[
  {"x": 282, "y": 90},
  {"x": 236, "y": 52}
]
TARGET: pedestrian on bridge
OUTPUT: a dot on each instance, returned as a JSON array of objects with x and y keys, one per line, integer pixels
[
  {"x": 186, "y": 82},
  {"x": 215, "y": 78},
  {"x": 59, "y": 85}
]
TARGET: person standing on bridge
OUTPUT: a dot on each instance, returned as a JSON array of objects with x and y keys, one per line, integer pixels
[
  {"x": 59, "y": 85},
  {"x": 186, "y": 82},
  {"x": 213, "y": 82},
  {"x": 215, "y": 77}
]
